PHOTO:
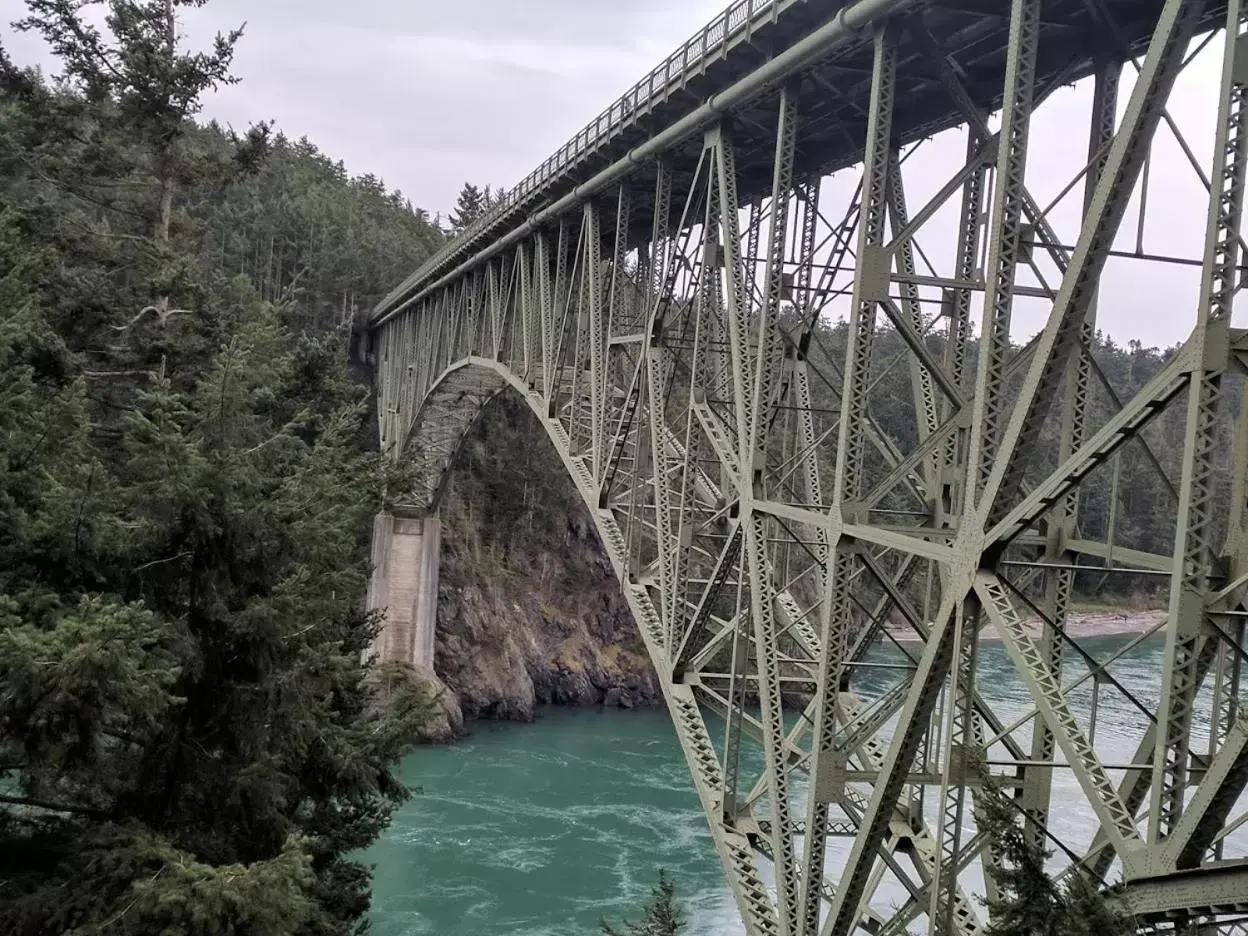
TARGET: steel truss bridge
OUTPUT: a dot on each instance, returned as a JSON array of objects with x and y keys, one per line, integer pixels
[{"x": 659, "y": 292}]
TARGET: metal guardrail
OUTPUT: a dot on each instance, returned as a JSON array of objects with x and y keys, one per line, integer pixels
[{"x": 713, "y": 41}]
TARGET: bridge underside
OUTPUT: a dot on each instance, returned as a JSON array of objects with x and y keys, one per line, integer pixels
[{"x": 768, "y": 388}]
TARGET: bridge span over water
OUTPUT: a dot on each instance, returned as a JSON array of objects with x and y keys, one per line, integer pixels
[{"x": 663, "y": 292}]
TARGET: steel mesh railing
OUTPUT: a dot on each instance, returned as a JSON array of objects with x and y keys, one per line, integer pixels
[{"x": 711, "y": 42}]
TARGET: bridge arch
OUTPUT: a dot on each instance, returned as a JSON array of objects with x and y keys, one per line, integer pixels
[
  {"x": 453, "y": 403},
  {"x": 443, "y": 420}
]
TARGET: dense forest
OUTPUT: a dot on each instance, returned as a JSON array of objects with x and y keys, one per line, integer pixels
[
  {"x": 188, "y": 471},
  {"x": 188, "y": 742}
]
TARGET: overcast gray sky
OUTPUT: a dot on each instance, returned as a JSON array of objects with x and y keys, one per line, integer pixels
[
  {"x": 429, "y": 94},
  {"x": 432, "y": 93}
]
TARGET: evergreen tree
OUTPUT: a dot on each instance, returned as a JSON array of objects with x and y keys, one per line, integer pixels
[
  {"x": 189, "y": 743},
  {"x": 135, "y": 76},
  {"x": 662, "y": 916},
  {"x": 495, "y": 197},
  {"x": 1029, "y": 902},
  {"x": 469, "y": 206}
]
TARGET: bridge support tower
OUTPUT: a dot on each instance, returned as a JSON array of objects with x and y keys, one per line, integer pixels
[{"x": 405, "y": 585}]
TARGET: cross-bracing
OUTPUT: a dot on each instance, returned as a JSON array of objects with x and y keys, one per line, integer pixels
[{"x": 664, "y": 295}]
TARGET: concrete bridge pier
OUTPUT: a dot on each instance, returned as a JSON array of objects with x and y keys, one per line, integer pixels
[{"x": 405, "y": 584}]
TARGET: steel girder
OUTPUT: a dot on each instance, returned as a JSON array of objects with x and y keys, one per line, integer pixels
[{"x": 671, "y": 328}]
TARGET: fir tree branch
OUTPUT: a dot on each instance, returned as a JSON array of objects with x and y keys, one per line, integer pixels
[
  {"x": 88, "y": 39},
  {"x": 52, "y": 807},
  {"x": 69, "y": 189},
  {"x": 113, "y": 235},
  {"x": 154, "y": 562},
  {"x": 119, "y": 373}
]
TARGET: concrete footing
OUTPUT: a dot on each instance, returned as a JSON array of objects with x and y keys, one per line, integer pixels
[{"x": 405, "y": 586}]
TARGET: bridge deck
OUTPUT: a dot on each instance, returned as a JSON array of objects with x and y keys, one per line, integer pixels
[{"x": 834, "y": 96}]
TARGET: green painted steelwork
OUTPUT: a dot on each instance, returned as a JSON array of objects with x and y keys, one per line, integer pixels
[{"x": 659, "y": 314}]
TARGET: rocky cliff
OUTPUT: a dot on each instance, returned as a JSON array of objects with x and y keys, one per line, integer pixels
[{"x": 529, "y": 609}]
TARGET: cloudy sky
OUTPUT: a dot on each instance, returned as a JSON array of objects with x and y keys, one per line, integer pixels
[
  {"x": 432, "y": 93},
  {"x": 429, "y": 94}
]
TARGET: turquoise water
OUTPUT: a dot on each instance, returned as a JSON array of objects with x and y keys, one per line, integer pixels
[{"x": 545, "y": 828}]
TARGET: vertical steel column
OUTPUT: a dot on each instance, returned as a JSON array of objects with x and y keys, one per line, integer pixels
[
  {"x": 1038, "y": 782},
  {"x": 988, "y": 414},
  {"x": 660, "y": 241},
  {"x": 737, "y": 300},
  {"x": 561, "y": 301},
  {"x": 546, "y": 297},
  {"x": 731, "y": 803},
  {"x": 622, "y": 317},
  {"x": 766, "y": 368},
  {"x": 665, "y": 541},
  {"x": 1194, "y": 547},
  {"x": 506, "y": 337},
  {"x": 448, "y": 342},
  {"x": 407, "y": 353},
  {"x": 464, "y": 323},
  {"x": 757, "y": 534},
  {"x": 749, "y": 254},
  {"x": 958, "y": 306},
  {"x": 385, "y": 389},
  {"x": 710, "y": 292},
  {"x": 479, "y": 314},
  {"x": 577, "y": 319},
  {"x": 527, "y": 312},
  {"x": 807, "y": 439},
  {"x": 597, "y": 340},
  {"x": 502, "y": 335},
  {"x": 493, "y": 335},
  {"x": 870, "y": 287},
  {"x": 437, "y": 333},
  {"x": 1004, "y": 245},
  {"x": 957, "y": 764}
]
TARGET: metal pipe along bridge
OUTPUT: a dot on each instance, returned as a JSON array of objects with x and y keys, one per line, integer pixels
[{"x": 662, "y": 292}]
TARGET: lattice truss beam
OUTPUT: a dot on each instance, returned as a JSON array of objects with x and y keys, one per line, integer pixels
[{"x": 674, "y": 331}]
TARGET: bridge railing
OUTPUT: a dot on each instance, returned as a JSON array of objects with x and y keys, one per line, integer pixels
[{"x": 736, "y": 22}]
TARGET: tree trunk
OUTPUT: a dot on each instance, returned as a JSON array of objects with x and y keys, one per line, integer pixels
[{"x": 162, "y": 162}]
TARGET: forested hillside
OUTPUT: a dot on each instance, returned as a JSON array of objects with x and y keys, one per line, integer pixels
[{"x": 302, "y": 231}]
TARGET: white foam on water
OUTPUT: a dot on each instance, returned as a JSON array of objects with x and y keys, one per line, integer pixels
[
  {"x": 712, "y": 913},
  {"x": 544, "y": 829}
]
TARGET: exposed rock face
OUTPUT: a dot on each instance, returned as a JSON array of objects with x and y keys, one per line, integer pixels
[
  {"x": 447, "y": 721},
  {"x": 529, "y": 610}
]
